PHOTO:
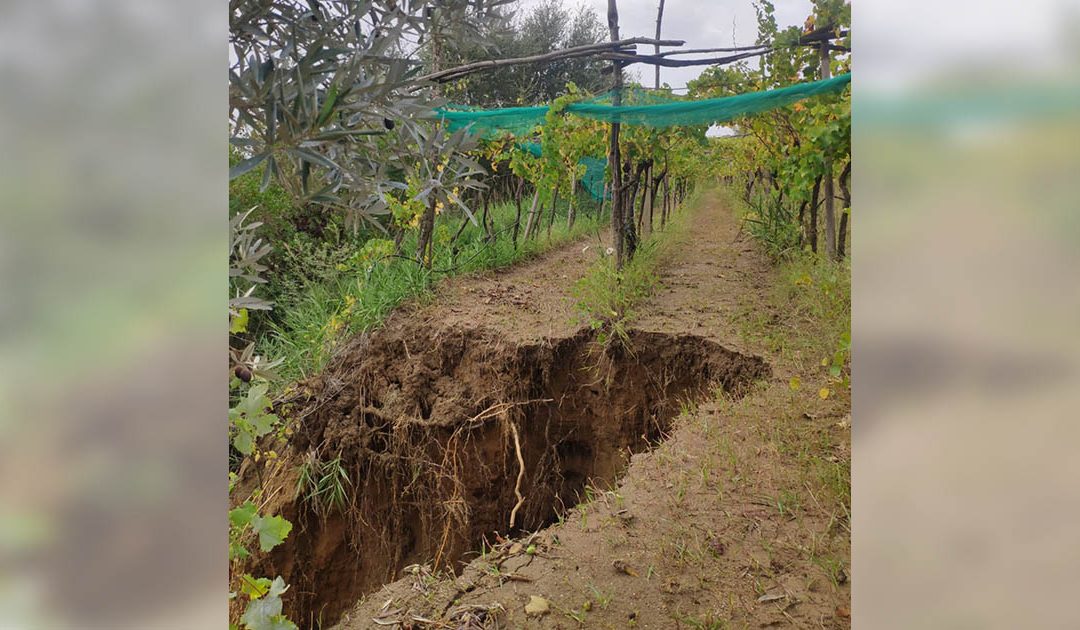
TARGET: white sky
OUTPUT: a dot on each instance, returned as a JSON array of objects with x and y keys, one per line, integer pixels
[
  {"x": 904, "y": 43},
  {"x": 701, "y": 23},
  {"x": 900, "y": 43}
]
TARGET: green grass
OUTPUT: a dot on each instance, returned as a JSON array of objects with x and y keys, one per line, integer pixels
[
  {"x": 323, "y": 484},
  {"x": 606, "y": 296},
  {"x": 305, "y": 329},
  {"x": 819, "y": 289},
  {"x": 814, "y": 290}
]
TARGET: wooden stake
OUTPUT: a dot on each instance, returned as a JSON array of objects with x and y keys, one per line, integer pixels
[
  {"x": 614, "y": 159},
  {"x": 830, "y": 216},
  {"x": 656, "y": 47}
]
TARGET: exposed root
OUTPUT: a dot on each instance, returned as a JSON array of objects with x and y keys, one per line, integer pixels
[
  {"x": 429, "y": 445},
  {"x": 520, "y": 476}
]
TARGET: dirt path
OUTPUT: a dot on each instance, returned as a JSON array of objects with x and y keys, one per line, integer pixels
[
  {"x": 524, "y": 303},
  {"x": 717, "y": 276},
  {"x": 737, "y": 519}
]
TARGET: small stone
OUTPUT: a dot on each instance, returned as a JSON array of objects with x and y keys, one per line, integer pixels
[{"x": 537, "y": 606}]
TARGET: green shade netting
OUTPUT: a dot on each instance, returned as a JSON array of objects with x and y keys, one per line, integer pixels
[
  {"x": 644, "y": 107},
  {"x": 593, "y": 178},
  {"x": 518, "y": 121},
  {"x": 636, "y": 95},
  {"x": 711, "y": 110},
  {"x": 522, "y": 120},
  {"x": 532, "y": 148}
]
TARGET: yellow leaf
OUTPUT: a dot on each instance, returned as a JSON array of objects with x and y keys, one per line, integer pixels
[
  {"x": 824, "y": 393},
  {"x": 794, "y": 383},
  {"x": 239, "y": 322}
]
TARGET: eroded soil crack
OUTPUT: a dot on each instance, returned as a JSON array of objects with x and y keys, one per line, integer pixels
[{"x": 425, "y": 439}]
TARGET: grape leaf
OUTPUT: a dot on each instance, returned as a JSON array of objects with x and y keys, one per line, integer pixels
[
  {"x": 254, "y": 587},
  {"x": 256, "y": 401},
  {"x": 265, "y": 613},
  {"x": 263, "y": 423},
  {"x": 241, "y": 516},
  {"x": 238, "y": 551},
  {"x": 244, "y": 442},
  {"x": 278, "y": 587},
  {"x": 272, "y": 530},
  {"x": 261, "y": 612}
]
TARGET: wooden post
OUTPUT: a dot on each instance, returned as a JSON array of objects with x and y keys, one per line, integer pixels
[
  {"x": 644, "y": 186},
  {"x": 614, "y": 159},
  {"x": 656, "y": 47},
  {"x": 531, "y": 221},
  {"x": 630, "y": 231},
  {"x": 830, "y": 216}
]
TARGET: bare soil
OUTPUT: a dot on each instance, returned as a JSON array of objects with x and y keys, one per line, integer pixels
[{"x": 677, "y": 482}]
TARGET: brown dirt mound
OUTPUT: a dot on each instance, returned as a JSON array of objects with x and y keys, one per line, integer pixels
[{"x": 427, "y": 422}]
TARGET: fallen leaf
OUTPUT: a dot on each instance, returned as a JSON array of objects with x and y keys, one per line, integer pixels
[
  {"x": 771, "y": 597},
  {"x": 516, "y": 548},
  {"x": 843, "y": 611},
  {"x": 824, "y": 393},
  {"x": 537, "y": 606},
  {"x": 622, "y": 567}
]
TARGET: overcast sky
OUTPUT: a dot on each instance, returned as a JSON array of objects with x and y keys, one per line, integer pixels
[{"x": 701, "y": 23}]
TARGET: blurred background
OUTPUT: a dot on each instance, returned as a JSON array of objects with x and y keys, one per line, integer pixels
[
  {"x": 966, "y": 306},
  {"x": 113, "y": 253}
]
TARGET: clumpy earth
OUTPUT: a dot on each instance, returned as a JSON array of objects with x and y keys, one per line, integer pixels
[{"x": 506, "y": 471}]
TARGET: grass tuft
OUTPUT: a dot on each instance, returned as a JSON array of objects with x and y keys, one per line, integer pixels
[{"x": 606, "y": 296}]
